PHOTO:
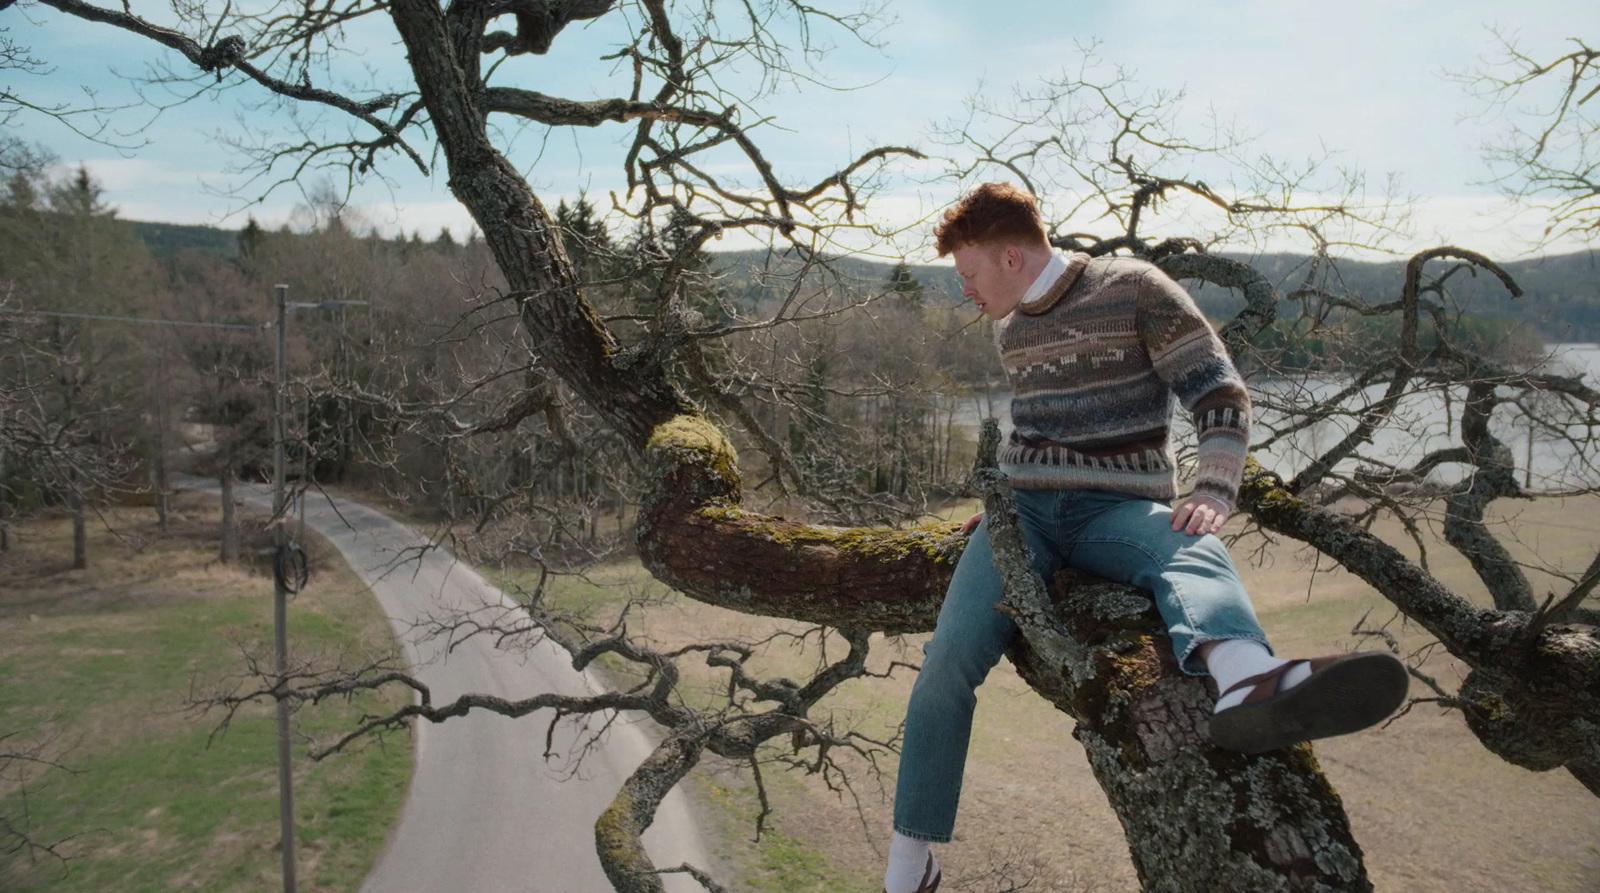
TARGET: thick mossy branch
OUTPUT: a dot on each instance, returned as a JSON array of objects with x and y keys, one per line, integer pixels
[
  {"x": 693, "y": 535},
  {"x": 618, "y": 833},
  {"x": 1533, "y": 696},
  {"x": 1473, "y": 634},
  {"x": 1196, "y": 818},
  {"x": 1027, "y": 597}
]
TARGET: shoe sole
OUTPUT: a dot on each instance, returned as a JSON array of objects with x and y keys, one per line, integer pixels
[{"x": 1350, "y": 694}]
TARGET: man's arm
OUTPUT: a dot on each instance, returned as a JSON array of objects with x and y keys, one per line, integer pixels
[{"x": 1190, "y": 358}]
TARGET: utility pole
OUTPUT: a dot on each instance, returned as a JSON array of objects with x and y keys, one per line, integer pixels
[
  {"x": 280, "y": 592},
  {"x": 280, "y": 567}
]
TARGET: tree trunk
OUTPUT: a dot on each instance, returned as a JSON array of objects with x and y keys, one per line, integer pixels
[
  {"x": 229, "y": 552},
  {"x": 5, "y": 500},
  {"x": 158, "y": 461},
  {"x": 80, "y": 536},
  {"x": 158, "y": 479},
  {"x": 1197, "y": 819},
  {"x": 158, "y": 484}
]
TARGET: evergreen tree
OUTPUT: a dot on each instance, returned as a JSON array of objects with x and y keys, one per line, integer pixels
[
  {"x": 904, "y": 286},
  {"x": 250, "y": 239},
  {"x": 587, "y": 240}
]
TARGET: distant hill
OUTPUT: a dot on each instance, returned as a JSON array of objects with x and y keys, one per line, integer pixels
[
  {"x": 168, "y": 240},
  {"x": 1561, "y": 293}
]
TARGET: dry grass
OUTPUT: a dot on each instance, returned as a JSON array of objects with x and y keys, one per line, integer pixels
[{"x": 1434, "y": 811}]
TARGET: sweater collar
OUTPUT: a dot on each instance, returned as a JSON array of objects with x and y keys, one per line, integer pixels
[{"x": 1054, "y": 281}]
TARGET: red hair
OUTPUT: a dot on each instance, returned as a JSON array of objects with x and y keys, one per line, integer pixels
[{"x": 992, "y": 213}]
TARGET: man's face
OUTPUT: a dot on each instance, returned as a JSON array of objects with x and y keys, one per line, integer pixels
[{"x": 991, "y": 276}]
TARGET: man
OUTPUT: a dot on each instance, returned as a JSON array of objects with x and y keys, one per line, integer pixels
[{"x": 1097, "y": 350}]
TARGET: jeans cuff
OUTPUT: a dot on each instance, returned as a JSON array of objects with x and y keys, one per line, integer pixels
[
  {"x": 1197, "y": 641},
  {"x": 918, "y": 835}
]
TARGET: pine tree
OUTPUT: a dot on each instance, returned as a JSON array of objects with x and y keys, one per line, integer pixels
[
  {"x": 904, "y": 286},
  {"x": 249, "y": 241},
  {"x": 586, "y": 237}
]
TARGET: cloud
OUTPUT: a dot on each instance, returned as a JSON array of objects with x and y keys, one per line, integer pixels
[{"x": 134, "y": 174}]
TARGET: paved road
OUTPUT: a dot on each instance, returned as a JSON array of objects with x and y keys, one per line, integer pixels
[{"x": 485, "y": 812}]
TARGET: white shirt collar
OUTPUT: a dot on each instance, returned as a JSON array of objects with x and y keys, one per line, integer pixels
[{"x": 1047, "y": 277}]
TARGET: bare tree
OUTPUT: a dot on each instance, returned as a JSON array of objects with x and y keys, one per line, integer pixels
[
  {"x": 227, "y": 374},
  {"x": 64, "y": 412},
  {"x": 1266, "y": 822},
  {"x": 1108, "y": 147},
  {"x": 1548, "y": 155}
]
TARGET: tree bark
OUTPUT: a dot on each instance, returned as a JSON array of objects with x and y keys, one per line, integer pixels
[
  {"x": 630, "y": 390},
  {"x": 80, "y": 535},
  {"x": 5, "y": 499},
  {"x": 1533, "y": 694},
  {"x": 617, "y": 833},
  {"x": 229, "y": 550},
  {"x": 1197, "y": 819},
  {"x": 158, "y": 462}
]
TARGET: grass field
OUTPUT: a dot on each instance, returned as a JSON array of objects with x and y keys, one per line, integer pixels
[
  {"x": 1434, "y": 811},
  {"x": 103, "y": 661}
]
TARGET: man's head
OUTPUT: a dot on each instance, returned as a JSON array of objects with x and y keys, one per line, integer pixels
[{"x": 999, "y": 245}]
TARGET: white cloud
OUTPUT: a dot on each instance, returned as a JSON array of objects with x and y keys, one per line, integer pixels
[
  {"x": 1366, "y": 80},
  {"x": 426, "y": 218},
  {"x": 119, "y": 175}
]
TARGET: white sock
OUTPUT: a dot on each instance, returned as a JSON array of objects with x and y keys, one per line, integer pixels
[
  {"x": 908, "y": 860},
  {"x": 1233, "y": 660}
]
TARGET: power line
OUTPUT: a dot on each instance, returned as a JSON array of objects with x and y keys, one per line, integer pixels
[{"x": 152, "y": 322}]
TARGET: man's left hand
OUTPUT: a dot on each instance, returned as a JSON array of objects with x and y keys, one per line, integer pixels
[{"x": 1199, "y": 516}]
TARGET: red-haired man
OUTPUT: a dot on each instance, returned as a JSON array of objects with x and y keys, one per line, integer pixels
[{"x": 1097, "y": 352}]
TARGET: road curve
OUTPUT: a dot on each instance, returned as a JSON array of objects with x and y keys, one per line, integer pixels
[{"x": 485, "y": 811}]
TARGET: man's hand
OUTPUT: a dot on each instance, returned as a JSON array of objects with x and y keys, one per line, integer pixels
[
  {"x": 972, "y": 523},
  {"x": 1199, "y": 516}
]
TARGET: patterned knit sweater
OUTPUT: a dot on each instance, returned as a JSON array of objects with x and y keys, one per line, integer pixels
[{"x": 1095, "y": 366}]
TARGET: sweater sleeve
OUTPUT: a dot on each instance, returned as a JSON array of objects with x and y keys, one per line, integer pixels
[{"x": 1190, "y": 358}]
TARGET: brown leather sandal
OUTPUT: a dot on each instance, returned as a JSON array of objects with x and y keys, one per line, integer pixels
[
  {"x": 1345, "y": 693},
  {"x": 924, "y": 886}
]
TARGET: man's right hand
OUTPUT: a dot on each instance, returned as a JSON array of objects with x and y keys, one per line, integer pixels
[{"x": 972, "y": 523}]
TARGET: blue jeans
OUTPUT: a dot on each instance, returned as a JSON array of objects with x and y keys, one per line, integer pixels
[{"x": 1112, "y": 535}]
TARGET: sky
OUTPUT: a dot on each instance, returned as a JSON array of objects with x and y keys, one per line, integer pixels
[{"x": 1364, "y": 79}]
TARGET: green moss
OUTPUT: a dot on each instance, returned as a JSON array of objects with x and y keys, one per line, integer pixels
[
  {"x": 613, "y": 832},
  {"x": 1494, "y": 708},
  {"x": 931, "y": 540},
  {"x": 695, "y": 438},
  {"x": 1134, "y": 671}
]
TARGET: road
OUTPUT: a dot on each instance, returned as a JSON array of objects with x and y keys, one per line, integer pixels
[{"x": 485, "y": 811}]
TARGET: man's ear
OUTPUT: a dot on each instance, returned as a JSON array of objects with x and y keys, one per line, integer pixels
[{"x": 1010, "y": 257}]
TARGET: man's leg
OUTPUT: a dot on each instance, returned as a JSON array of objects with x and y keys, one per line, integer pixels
[
  {"x": 967, "y": 642},
  {"x": 1213, "y": 628},
  {"x": 1196, "y": 588}
]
